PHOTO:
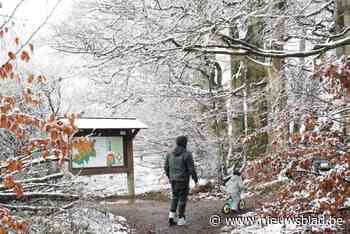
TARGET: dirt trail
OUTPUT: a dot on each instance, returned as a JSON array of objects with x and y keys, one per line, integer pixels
[{"x": 149, "y": 216}]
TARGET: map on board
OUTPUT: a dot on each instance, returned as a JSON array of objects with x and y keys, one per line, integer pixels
[{"x": 99, "y": 152}]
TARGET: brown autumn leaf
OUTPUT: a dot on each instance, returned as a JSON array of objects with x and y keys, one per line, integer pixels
[
  {"x": 5, "y": 109},
  {"x": 44, "y": 79},
  {"x": 30, "y": 78},
  {"x": 6, "y": 219},
  {"x": 68, "y": 130},
  {"x": 3, "y": 73},
  {"x": 296, "y": 138},
  {"x": 15, "y": 165},
  {"x": 3, "y": 120},
  {"x": 310, "y": 124},
  {"x": 8, "y": 68},
  {"x": 45, "y": 154},
  {"x": 12, "y": 55},
  {"x": 39, "y": 79},
  {"x": 51, "y": 118},
  {"x": 9, "y": 100},
  {"x": 23, "y": 227},
  {"x": 9, "y": 122},
  {"x": 18, "y": 189},
  {"x": 31, "y": 47},
  {"x": 9, "y": 182},
  {"x": 20, "y": 134},
  {"x": 17, "y": 41},
  {"x": 20, "y": 118},
  {"x": 25, "y": 56},
  {"x": 306, "y": 164}
]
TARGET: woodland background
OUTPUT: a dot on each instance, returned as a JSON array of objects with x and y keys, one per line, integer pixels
[{"x": 255, "y": 84}]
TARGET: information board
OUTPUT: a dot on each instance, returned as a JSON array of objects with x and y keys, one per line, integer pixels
[{"x": 99, "y": 152}]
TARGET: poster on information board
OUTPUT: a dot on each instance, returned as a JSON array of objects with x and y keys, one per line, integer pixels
[{"x": 99, "y": 152}]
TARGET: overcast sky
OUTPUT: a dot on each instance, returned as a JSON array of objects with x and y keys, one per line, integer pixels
[
  {"x": 29, "y": 16},
  {"x": 32, "y": 12}
]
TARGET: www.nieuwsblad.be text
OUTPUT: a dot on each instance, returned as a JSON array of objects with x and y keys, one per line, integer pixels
[{"x": 217, "y": 220}]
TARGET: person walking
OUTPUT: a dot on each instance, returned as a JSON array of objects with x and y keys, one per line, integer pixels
[{"x": 179, "y": 167}]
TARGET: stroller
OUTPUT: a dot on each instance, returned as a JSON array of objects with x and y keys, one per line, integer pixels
[
  {"x": 234, "y": 186},
  {"x": 229, "y": 206}
]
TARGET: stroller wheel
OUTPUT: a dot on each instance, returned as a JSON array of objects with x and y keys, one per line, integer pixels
[
  {"x": 226, "y": 209},
  {"x": 241, "y": 205}
]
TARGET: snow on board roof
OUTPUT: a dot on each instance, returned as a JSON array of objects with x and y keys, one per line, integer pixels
[{"x": 108, "y": 123}]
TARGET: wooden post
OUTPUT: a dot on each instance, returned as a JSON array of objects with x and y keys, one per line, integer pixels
[{"x": 131, "y": 183}]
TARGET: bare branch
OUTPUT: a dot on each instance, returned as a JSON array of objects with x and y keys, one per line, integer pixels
[
  {"x": 10, "y": 196},
  {"x": 12, "y": 14}
]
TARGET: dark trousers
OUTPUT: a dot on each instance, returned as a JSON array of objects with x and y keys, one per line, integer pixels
[{"x": 180, "y": 191}]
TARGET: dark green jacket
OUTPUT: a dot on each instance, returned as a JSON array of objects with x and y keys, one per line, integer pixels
[{"x": 179, "y": 165}]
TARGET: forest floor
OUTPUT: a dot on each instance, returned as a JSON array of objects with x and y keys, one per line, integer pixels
[{"x": 149, "y": 214}]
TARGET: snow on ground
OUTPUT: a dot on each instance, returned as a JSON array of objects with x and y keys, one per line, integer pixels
[
  {"x": 276, "y": 229},
  {"x": 347, "y": 202},
  {"x": 270, "y": 229},
  {"x": 146, "y": 179},
  {"x": 81, "y": 220}
]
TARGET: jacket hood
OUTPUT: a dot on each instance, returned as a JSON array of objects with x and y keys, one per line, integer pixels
[
  {"x": 179, "y": 150},
  {"x": 181, "y": 141}
]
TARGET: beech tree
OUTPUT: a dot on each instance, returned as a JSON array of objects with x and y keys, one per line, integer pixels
[
  {"x": 31, "y": 139},
  {"x": 320, "y": 139}
]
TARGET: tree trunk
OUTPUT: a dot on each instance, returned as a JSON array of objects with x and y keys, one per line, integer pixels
[{"x": 342, "y": 19}]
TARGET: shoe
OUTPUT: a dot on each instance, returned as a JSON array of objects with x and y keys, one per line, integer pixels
[
  {"x": 181, "y": 221},
  {"x": 172, "y": 218}
]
